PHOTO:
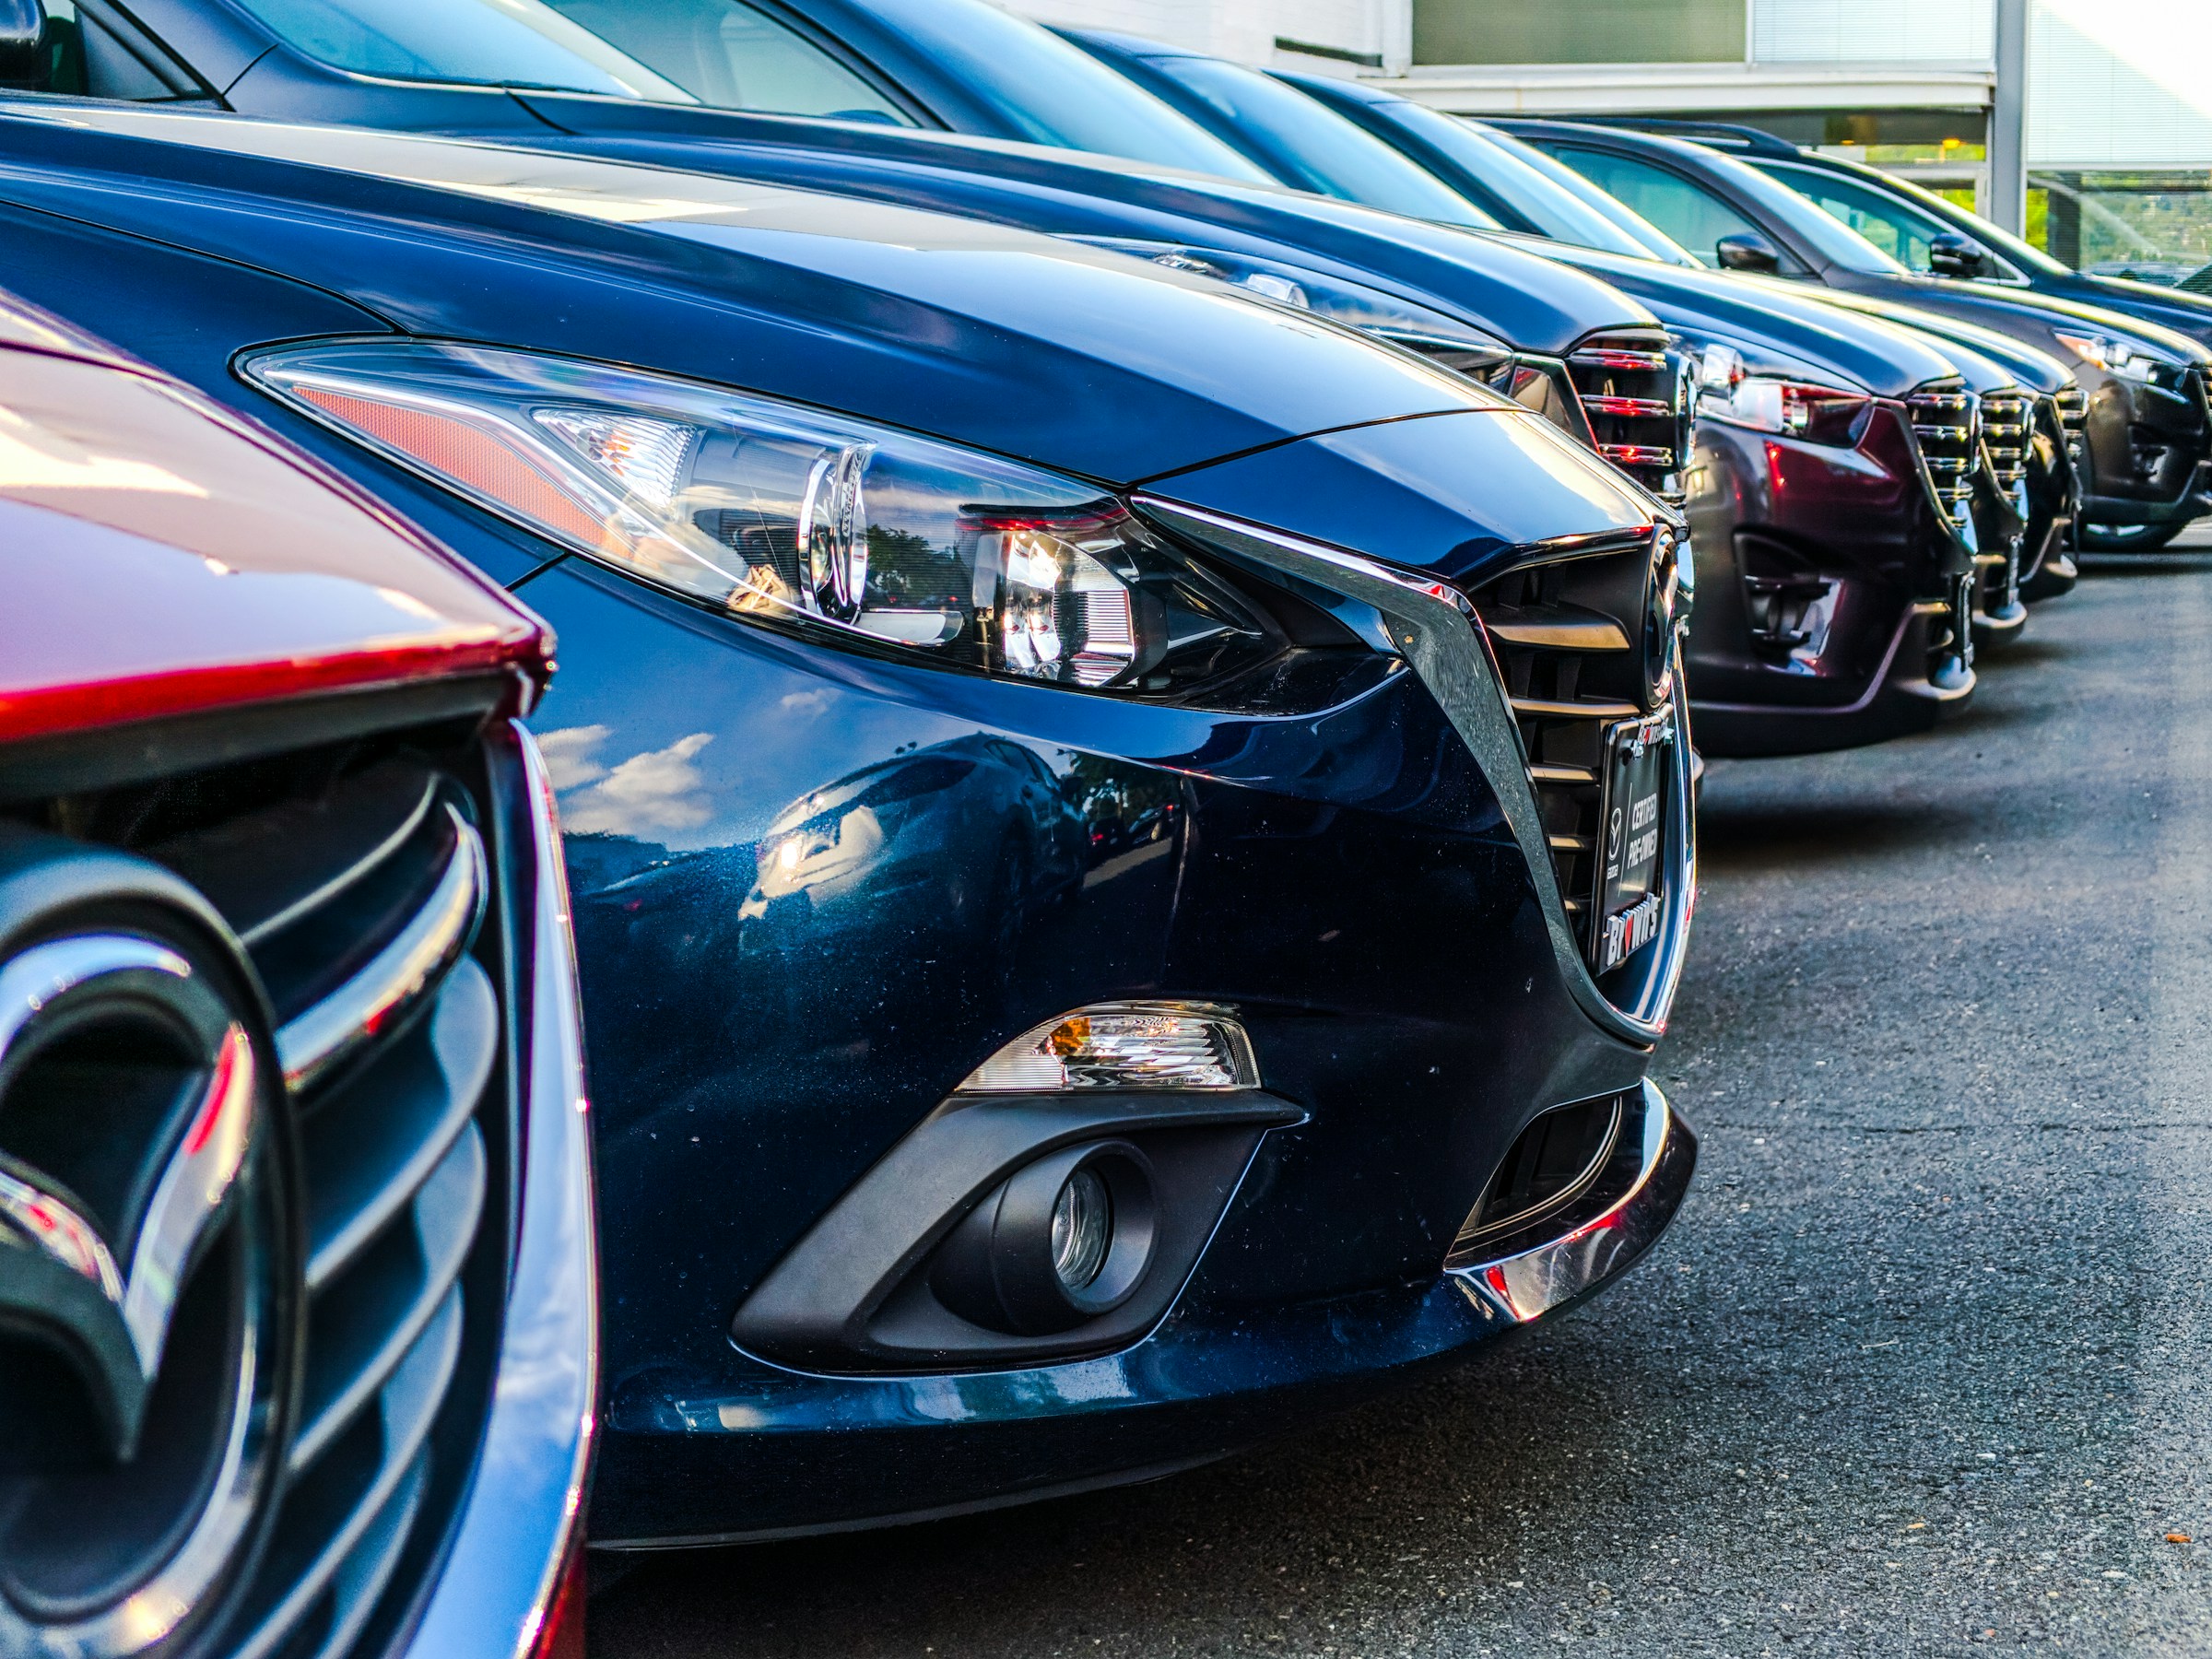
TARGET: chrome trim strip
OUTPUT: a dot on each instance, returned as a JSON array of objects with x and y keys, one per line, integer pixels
[
  {"x": 524, "y": 1508},
  {"x": 318, "y": 1037},
  {"x": 1445, "y": 649},
  {"x": 1527, "y": 1285}
]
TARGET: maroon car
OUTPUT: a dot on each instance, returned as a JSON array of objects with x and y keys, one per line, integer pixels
[{"x": 297, "y": 1345}]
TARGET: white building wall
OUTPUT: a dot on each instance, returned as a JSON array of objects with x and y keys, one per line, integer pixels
[
  {"x": 1872, "y": 31},
  {"x": 2112, "y": 83},
  {"x": 2120, "y": 83},
  {"x": 1247, "y": 29}
]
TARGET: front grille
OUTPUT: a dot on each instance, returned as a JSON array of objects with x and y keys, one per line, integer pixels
[
  {"x": 2005, "y": 435},
  {"x": 1567, "y": 635},
  {"x": 1633, "y": 392},
  {"x": 360, "y": 879},
  {"x": 1945, "y": 424}
]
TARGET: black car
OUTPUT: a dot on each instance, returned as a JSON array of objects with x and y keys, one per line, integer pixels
[
  {"x": 2144, "y": 468},
  {"x": 1935, "y": 237}
]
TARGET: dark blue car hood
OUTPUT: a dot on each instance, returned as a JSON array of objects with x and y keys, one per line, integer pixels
[
  {"x": 1755, "y": 315},
  {"x": 1030, "y": 347},
  {"x": 1525, "y": 299}
]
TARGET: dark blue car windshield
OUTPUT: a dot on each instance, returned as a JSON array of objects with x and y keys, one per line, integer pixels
[{"x": 1315, "y": 147}]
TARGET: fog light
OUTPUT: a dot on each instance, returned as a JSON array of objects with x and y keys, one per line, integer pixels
[
  {"x": 1064, "y": 1240},
  {"x": 1082, "y": 1228},
  {"x": 1125, "y": 1045}
]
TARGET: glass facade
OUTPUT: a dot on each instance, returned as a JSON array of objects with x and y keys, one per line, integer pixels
[{"x": 1579, "y": 31}]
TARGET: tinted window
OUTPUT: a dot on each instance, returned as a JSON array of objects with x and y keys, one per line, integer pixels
[
  {"x": 1315, "y": 147},
  {"x": 1838, "y": 242},
  {"x": 1693, "y": 216},
  {"x": 733, "y": 56},
  {"x": 1888, "y": 224},
  {"x": 483, "y": 43},
  {"x": 1053, "y": 93}
]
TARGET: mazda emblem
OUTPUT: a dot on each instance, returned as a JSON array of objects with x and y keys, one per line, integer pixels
[{"x": 147, "y": 1289}]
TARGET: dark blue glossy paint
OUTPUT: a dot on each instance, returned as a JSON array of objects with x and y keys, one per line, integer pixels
[
  {"x": 758, "y": 1036},
  {"x": 990, "y": 175}
]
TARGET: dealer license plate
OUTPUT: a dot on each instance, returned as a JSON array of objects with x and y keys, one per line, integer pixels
[{"x": 1631, "y": 826}]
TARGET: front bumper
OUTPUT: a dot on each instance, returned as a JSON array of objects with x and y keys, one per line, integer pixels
[
  {"x": 1817, "y": 625},
  {"x": 822, "y": 1456}
]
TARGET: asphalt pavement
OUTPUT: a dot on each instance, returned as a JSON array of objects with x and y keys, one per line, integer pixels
[{"x": 1922, "y": 1367}]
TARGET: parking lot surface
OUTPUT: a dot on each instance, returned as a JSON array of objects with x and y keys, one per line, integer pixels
[{"x": 1922, "y": 1367}]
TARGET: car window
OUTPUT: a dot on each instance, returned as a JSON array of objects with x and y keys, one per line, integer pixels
[
  {"x": 88, "y": 54},
  {"x": 1554, "y": 197},
  {"x": 734, "y": 56},
  {"x": 1318, "y": 148},
  {"x": 479, "y": 42},
  {"x": 1694, "y": 217},
  {"x": 1053, "y": 93},
  {"x": 1902, "y": 232}
]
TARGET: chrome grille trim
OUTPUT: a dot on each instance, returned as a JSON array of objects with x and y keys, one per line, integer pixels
[
  {"x": 2005, "y": 435},
  {"x": 1433, "y": 625},
  {"x": 377, "y": 883},
  {"x": 1947, "y": 427},
  {"x": 1636, "y": 396},
  {"x": 312, "y": 1041}
]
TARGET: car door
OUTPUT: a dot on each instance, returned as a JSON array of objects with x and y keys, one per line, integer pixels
[{"x": 1692, "y": 214}]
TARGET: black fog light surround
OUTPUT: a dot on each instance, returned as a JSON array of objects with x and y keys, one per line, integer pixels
[
  {"x": 1067, "y": 1238},
  {"x": 1051, "y": 1209}
]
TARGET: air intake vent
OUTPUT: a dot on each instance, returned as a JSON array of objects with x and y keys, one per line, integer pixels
[
  {"x": 2005, "y": 435},
  {"x": 1636, "y": 396},
  {"x": 1945, "y": 424},
  {"x": 359, "y": 877},
  {"x": 1573, "y": 640}
]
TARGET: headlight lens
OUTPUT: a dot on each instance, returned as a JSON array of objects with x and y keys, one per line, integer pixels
[
  {"x": 2115, "y": 357},
  {"x": 788, "y": 515},
  {"x": 1353, "y": 304},
  {"x": 1770, "y": 404}
]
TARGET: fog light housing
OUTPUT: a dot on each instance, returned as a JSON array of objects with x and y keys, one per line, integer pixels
[
  {"x": 1061, "y": 1240},
  {"x": 1123, "y": 1045}
]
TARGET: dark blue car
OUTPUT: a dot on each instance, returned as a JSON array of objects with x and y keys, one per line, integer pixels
[{"x": 1129, "y": 844}]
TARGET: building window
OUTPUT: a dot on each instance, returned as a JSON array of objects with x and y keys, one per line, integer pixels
[{"x": 1578, "y": 31}]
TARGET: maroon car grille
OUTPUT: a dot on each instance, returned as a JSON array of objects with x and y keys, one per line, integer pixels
[
  {"x": 1946, "y": 425},
  {"x": 1634, "y": 394}
]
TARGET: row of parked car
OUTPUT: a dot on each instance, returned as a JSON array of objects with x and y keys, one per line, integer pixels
[{"x": 1130, "y": 632}]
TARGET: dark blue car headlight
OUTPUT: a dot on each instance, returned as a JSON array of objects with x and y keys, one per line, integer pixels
[{"x": 789, "y": 515}]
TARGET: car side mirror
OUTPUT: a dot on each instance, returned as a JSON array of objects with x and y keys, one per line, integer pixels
[
  {"x": 1747, "y": 251},
  {"x": 1952, "y": 255},
  {"x": 22, "y": 43}
]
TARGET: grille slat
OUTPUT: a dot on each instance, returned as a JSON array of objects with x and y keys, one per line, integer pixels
[
  {"x": 1946, "y": 425},
  {"x": 361, "y": 877},
  {"x": 1635, "y": 396},
  {"x": 381, "y": 993},
  {"x": 360, "y": 1579},
  {"x": 367, "y": 1321},
  {"x": 369, "y": 1148},
  {"x": 1563, "y": 632},
  {"x": 325, "y": 1516}
]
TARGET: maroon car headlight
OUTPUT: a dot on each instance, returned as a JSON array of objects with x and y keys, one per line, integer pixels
[
  {"x": 1797, "y": 409},
  {"x": 792, "y": 516}
]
